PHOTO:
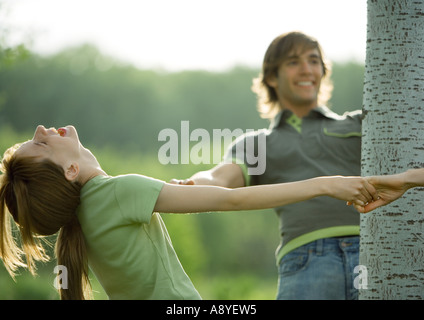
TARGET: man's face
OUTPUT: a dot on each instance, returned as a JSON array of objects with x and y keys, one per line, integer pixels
[{"x": 299, "y": 78}]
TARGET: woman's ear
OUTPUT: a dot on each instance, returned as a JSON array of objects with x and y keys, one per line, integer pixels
[{"x": 72, "y": 172}]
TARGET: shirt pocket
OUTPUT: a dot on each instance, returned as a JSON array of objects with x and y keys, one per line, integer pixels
[{"x": 344, "y": 141}]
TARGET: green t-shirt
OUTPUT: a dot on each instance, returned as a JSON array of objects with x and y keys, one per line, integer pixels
[{"x": 129, "y": 249}]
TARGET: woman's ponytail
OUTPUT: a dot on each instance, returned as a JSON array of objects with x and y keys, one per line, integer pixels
[{"x": 71, "y": 252}]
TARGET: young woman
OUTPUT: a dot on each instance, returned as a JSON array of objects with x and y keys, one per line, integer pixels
[{"x": 53, "y": 184}]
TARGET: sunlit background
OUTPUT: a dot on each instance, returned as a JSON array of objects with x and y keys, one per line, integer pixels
[
  {"x": 186, "y": 34},
  {"x": 122, "y": 71}
]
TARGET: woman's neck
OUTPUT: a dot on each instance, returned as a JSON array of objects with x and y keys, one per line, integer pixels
[{"x": 89, "y": 168}]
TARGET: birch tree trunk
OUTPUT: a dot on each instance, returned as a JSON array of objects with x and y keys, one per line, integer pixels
[{"x": 392, "y": 237}]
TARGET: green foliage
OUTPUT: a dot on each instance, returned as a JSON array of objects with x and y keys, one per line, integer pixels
[
  {"x": 122, "y": 106},
  {"x": 116, "y": 104},
  {"x": 348, "y": 81},
  {"x": 237, "y": 286},
  {"x": 12, "y": 55},
  {"x": 119, "y": 111},
  {"x": 27, "y": 287}
]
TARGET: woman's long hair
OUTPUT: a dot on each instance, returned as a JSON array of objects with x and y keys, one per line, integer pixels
[{"x": 42, "y": 202}]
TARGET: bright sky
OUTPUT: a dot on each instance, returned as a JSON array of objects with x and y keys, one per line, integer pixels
[{"x": 185, "y": 34}]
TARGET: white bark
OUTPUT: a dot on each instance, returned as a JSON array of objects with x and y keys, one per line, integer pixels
[{"x": 392, "y": 237}]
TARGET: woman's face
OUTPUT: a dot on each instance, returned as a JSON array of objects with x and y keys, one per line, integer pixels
[{"x": 62, "y": 149}]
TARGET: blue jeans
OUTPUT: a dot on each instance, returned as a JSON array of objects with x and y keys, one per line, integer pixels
[{"x": 320, "y": 270}]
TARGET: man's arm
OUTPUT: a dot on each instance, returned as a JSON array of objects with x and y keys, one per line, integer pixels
[
  {"x": 392, "y": 187},
  {"x": 228, "y": 175}
]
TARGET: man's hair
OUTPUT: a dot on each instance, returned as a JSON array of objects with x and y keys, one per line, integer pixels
[{"x": 279, "y": 50}]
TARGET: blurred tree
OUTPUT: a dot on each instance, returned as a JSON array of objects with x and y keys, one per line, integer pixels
[
  {"x": 9, "y": 56},
  {"x": 113, "y": 103},
  {"x": 348, "y": 79},
  {"x": 392, "y": 237}
]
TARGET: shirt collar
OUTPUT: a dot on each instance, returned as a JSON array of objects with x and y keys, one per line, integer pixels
[{"x": 318, "y": 111}]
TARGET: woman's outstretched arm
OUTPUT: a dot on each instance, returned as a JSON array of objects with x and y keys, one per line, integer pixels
[{"x": 193, "y": 198}]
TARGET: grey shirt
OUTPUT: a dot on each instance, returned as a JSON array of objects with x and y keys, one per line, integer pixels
[{"x": 321, "y": 144}]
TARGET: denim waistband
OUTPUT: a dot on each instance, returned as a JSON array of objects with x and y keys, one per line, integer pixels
[{"x": 330, "y": 244}]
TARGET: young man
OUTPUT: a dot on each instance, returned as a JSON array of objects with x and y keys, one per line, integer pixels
[{"x": 319, "y": 238}]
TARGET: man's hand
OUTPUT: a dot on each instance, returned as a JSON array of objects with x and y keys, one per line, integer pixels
[
  {"x": 184, "y": 182},
  {"x": 389, "y": 188}
]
